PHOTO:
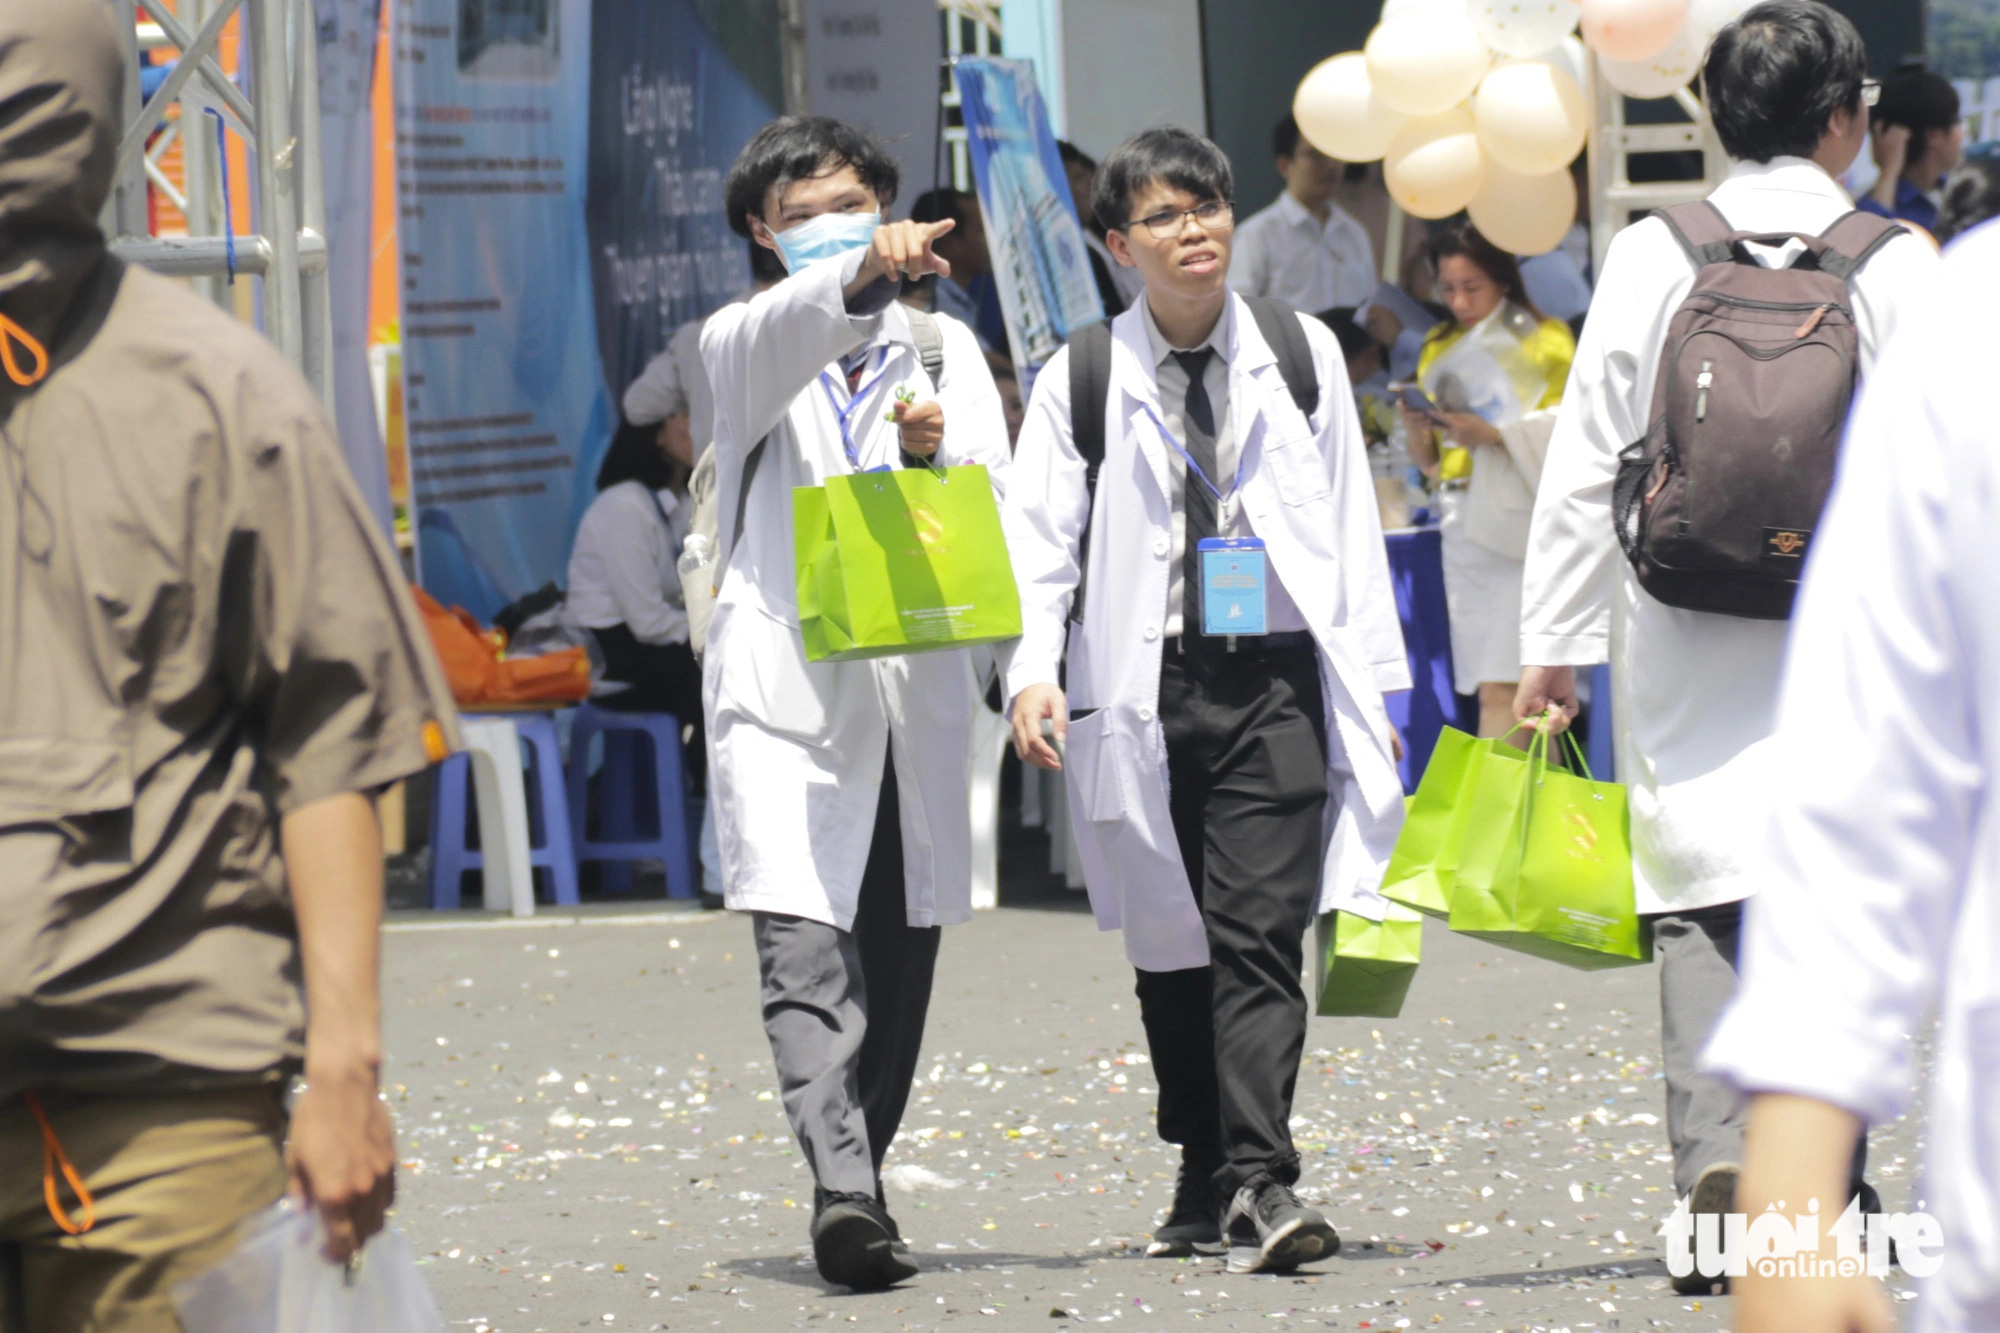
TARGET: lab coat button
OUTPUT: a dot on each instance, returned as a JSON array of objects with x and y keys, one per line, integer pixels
[
  {"x": 1152, "y": 633},
  {"x": 1160, "y": 548},
  {"x": 1145, "y": 715}
]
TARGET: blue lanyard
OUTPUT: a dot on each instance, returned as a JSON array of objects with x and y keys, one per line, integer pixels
[
  {"x": 845, "y": 415},
  {"x": 1194, "y": 468}
]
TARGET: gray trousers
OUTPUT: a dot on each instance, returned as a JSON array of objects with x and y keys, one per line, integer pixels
[
  {"x": 844, "y": 1011},
  {"x": 1705, "y": 1116}
]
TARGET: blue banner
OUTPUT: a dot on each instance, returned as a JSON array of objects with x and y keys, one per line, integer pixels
[
  {"x": 507, "y": 410},
  {"x": 1039, "y": 260},
  {"x": 669, "y": 112}
]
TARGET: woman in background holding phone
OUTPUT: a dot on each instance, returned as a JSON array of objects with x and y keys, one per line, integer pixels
[{"x": 1494, "y": 374}]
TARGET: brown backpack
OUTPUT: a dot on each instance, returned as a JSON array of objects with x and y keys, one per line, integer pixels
[{"x": 1716, "y": 506}]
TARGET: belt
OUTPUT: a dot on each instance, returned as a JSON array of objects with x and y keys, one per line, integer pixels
[
  {"x": 1253, "y": 645},
  {"x": 1455, "y": 485}
]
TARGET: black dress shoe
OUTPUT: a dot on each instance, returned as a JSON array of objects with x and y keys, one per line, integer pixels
[
  {"x": 855, "y": 1242},
  {"x": 1714, "y": 1192}
]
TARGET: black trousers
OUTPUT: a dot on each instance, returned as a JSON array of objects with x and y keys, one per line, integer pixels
[
  {"x": 659, "y": 678},
  {"x": 1246, "y": 759},
  {"x": 845, "y": 1010}
]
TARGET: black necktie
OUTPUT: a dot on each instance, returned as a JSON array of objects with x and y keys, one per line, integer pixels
[{"x": 1199, "y": 503}]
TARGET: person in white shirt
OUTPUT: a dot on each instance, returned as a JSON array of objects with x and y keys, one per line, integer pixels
[
  {"x": 842, "y": 798},
  {"x": 1881, "y": 877},
  {"x": 1225, "y": 787},
  {"x": 1694, "y": 693},
  {"x": 623, "y": 585},
  {"x": 1305, "y": 249},
  {"x": 673, "y": 384}
]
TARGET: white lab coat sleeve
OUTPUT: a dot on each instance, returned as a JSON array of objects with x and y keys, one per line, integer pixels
[
  {"x": 638, "y": 574},
  {"x": 1877, "y": 795},
  {"x": 975, "y": 426},
  {"x": 1043, "y": 516},
  {"x": 1572, "y": 546},
  {"x": 658, "y": 392},
  {"x": 1881, "y": 292},
  {"x": 1368, "y": 592},
  {"x": 761, "y": 354}
]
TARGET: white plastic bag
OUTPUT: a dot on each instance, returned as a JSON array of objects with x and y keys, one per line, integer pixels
[{"x": 279, "y": 1281}]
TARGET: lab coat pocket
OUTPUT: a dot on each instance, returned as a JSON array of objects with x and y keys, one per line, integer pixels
[
  {"x": 768, "y": 677},
  {"x": 1298, "y": 467},
  {"x": 1091, "y": 758}
]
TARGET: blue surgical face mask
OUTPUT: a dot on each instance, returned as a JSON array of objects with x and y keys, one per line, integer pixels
[{"x": 825, "y": 236}]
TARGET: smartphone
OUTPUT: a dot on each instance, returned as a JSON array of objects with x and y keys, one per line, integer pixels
[{"x": 1411, "y": 395}]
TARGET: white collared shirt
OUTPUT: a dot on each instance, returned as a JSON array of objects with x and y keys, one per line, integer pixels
[
  {"x": 1280, "y": 612},
  {"x": 1694, "y": 694},
  {"x": 1286, "y": 252}
]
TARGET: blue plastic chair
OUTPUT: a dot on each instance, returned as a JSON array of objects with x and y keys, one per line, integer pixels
[
  {"x": 628, "y": 786},
  {"x": 550, "y": 846}
]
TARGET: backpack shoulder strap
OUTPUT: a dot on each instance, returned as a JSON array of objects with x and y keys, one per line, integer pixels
[
  {"x": 1279, "y": 323},
  {"x": 750, "y": 462},
  {"x": 1089, "y": 410},
  {"x": 1701, "y": 230},
  {"x": 929, "y": 338},
  {"x": 1852, "y": 241}
]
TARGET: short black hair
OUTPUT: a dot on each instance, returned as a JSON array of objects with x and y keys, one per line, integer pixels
[
  {"x": 1354, "y": 340},
  {"x": 1971, "y": 196},
  {"x": 1073, "y": 156},
  {"x": 1917, "y": 100},
  {"x": 1774, "y": 78},
  {"x": 1286, "y": 136},
  {"x": 765, "y": 266},
  {"x": 944, "y": 202},
  {"x": 635, "y": 455},
  {"x": 1181, "y": 158},
  {"x": 795, "y": 148}
]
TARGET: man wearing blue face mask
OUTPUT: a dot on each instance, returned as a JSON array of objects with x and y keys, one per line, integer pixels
[{"x": 840, "y": 788}]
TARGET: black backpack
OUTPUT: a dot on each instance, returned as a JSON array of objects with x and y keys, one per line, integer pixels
[
  {"x": 1716, "y": 506},
  {"x": 1090, "y": 382}
]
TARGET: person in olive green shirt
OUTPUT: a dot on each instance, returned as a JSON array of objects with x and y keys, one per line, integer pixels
[{"x": 208, "y": 662}]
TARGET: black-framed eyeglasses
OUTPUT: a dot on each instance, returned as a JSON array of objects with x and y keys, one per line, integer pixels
[
  {"x": 1871, "y": 91},
  {"x": 1169, "y": 221}
]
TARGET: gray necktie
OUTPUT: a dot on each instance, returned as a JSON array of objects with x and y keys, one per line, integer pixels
[{"x": 1199, "y": 503}]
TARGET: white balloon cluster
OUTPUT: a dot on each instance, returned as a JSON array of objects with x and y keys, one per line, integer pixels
[{"x": 1479, "y": 105}]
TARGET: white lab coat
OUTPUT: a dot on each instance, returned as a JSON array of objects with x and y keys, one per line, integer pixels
[
  {"x": 1880, "y": 867},
  {"x": 796, "y": 748},
  {"x": 1307, "y": 493},
  {"x": 1693, "y": 694}
]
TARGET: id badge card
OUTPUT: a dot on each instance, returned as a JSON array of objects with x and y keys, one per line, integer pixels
[{"x": 1232, "y": 585}]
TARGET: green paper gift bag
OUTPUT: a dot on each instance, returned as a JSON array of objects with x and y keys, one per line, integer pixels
[
  {"x": 1424, "y": 864},
  {"x": 1365, "y": 966},
  {"x": 902, "y": 560},
  {"x": 1546, "y": 865}
]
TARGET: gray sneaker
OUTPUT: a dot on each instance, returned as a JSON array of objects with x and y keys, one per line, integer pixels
[
  {"x": 1269, "y": 1231},
  {"x": 1714, "y": 1192}
]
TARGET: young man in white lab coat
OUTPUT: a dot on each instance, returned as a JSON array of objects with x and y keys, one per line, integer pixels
[
  {"x": 1881, "y": 891},
  {"x": 840, "y": 788},
  {"x": 1224, "y": 789},
  {"x": 1694, "y": 693}
]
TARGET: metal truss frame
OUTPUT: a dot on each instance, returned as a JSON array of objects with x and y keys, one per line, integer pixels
[{"x": 278, "y": 120}]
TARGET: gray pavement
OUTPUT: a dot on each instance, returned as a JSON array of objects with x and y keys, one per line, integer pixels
[{"x": 591, "y": 1138}]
